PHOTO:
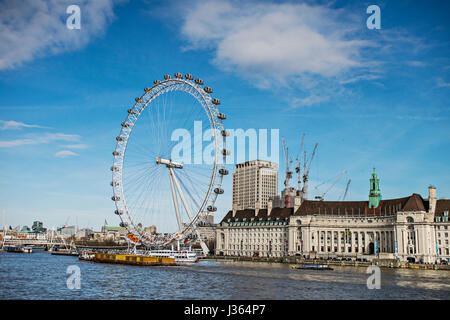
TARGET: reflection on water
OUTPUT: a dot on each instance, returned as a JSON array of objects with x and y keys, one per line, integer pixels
[{"x": 41, "y": 275}]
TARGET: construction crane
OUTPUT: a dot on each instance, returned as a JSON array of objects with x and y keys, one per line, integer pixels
[
  {"x": 321, "y": 197},
  {"x": 306, "y": 169},
  {"x": 346, "y": 189},
  {"x": 288, "y": 171},
  {"x": 299, "y": 163},
  {"x": 67, "y": 221}
]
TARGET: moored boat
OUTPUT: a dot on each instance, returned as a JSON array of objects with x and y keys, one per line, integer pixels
[
  {"x": 27, "y": 249},
  {"x": 180, "y": 256},
  {"x": 19, "y": 249},
  {"x": 312, "y": 267}
]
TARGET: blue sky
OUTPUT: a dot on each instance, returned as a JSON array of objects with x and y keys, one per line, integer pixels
[{"x": 370, "y": 98}]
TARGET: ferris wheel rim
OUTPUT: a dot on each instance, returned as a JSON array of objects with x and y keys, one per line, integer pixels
[{"x": 207, "y": 103}]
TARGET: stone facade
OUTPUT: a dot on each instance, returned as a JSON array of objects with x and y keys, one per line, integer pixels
[{"x": 409, "y": 228}]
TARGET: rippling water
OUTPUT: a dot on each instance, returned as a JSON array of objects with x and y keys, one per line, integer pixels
[{"x": 41, "y": 275}]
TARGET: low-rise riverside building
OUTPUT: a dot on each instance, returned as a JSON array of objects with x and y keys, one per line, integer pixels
[{"x": 408, "y": 229}]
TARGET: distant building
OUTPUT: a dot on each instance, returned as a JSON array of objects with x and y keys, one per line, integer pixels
[
  {"x": 114, "y": 229},
  {"x": 254, "y": 183},
  {"x": 409, "y": 228},
  {"x": 38, "y": 226},
  {"x": 84, "y": 233},
  {"x": 150, "y": 230},
  {"x": 205, "y": 219},
  {"x": 66, "y": 230}
]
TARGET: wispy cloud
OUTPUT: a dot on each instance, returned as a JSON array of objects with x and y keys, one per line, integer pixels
[
  {"x": 65, "y": 154},
  {"x": 440, "y": 83},
  {"x": 274, "y": 39},
  {"x": 39, "y": 139},
  {"x": 308, "y": 53},
  {"x": 36, "y": 28},
  {"x": 283, "y": 46},
  {"x": 14, "y": 125},
  {"x": 76, "y": 146}
]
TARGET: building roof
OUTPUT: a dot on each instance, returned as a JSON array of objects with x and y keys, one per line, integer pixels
[
  {"x": 414, "y": 202},
  {"x": 355, "y": 208},
  {"x": 441, "y": 206},
  {"x": 247, "y": 214}
]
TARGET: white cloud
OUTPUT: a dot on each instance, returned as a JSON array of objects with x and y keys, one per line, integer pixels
[
  {"x": 12, "y": 125},
  {"x": 65, "y": 154},
  {"x": 39, "y": 139},
  {"x": 36, "y": 28},
  {"x": 294, "y": 46},
  {"x": 275, "y": 39},
  {"x": 441, "y": 83},
  {"x": 76, "y": 146}
]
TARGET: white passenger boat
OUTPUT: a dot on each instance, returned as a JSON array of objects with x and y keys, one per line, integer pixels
[
  {"x": 27, "y": 249},
  {"x": 180, "y": 256}
]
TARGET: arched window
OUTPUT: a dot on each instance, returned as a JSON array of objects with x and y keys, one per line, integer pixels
[{"x": 411, "y": 221}]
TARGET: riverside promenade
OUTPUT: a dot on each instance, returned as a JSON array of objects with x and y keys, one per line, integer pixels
[{"x": 382, "y": 263}]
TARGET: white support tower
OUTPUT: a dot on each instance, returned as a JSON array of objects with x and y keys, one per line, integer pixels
[{"x": 173, "y": 180}]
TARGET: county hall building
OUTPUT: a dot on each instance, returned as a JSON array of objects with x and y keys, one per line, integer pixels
[{"x": 408, "y": 228}]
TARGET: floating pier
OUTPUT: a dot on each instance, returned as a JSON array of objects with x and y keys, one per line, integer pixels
[{"x": 129, "y": 259}]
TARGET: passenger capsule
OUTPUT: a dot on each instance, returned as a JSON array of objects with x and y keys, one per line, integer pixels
[
  {"x": 114, "y": 169},
  {"x": 199, "y": 81},
  {"x": 114, "y": 183},
  {"x": 115, "y": 198},
  {"x": 221, "y": 116},
  {"x": 118, "y": 212},
  {"x": 208, "y": 90},
  {"x": 189, "y": 76},
  {"x": 178, "y": 75},
  {"x": 167, "y": 77},
  {"x": 116, "y": 153},
  {"x": 223, "y": 172},
  {"x": 146, "y": 89},
  {"x": 119, "y": 138},
  {"x": 132, "y": 111},
  {"x": 225, "y": 133},
  {"x": 212, "y": 209},
  {"x": 225, "y": 152},
  {"x": 123, "y": 224},
  {"x": 157, "y": 81},
  {"x": 125, "y": 124},
  {"x": 138, "y": 99},
  {"x": 218, "y": 190},
  {"x": 215, "y": 101}
]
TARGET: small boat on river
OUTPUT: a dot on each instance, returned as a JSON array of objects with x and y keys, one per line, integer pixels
[{"x": 312, "y": 267}]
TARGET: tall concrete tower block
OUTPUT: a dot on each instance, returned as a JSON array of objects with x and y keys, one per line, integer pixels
[{"x": 254, "y": 183}]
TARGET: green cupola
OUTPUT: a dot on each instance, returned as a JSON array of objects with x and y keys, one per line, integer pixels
[{"x": 375, "y": 193}]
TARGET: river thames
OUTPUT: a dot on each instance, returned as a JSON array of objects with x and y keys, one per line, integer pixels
[{"x": 40, "y": 275}]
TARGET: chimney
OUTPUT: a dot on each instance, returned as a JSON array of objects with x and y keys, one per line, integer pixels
[
  {"x": 297, "y": 202},
  {"x": 287, "y": 201},
  {"x": 269, "y": 207},
  {"x": 432, "y": 199}
]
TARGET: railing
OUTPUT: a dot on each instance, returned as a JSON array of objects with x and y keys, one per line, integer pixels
[{"x": 15, "y": 242}]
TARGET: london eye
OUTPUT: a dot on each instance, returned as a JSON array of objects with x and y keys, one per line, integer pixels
[{"x": 169, "y": 161}]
